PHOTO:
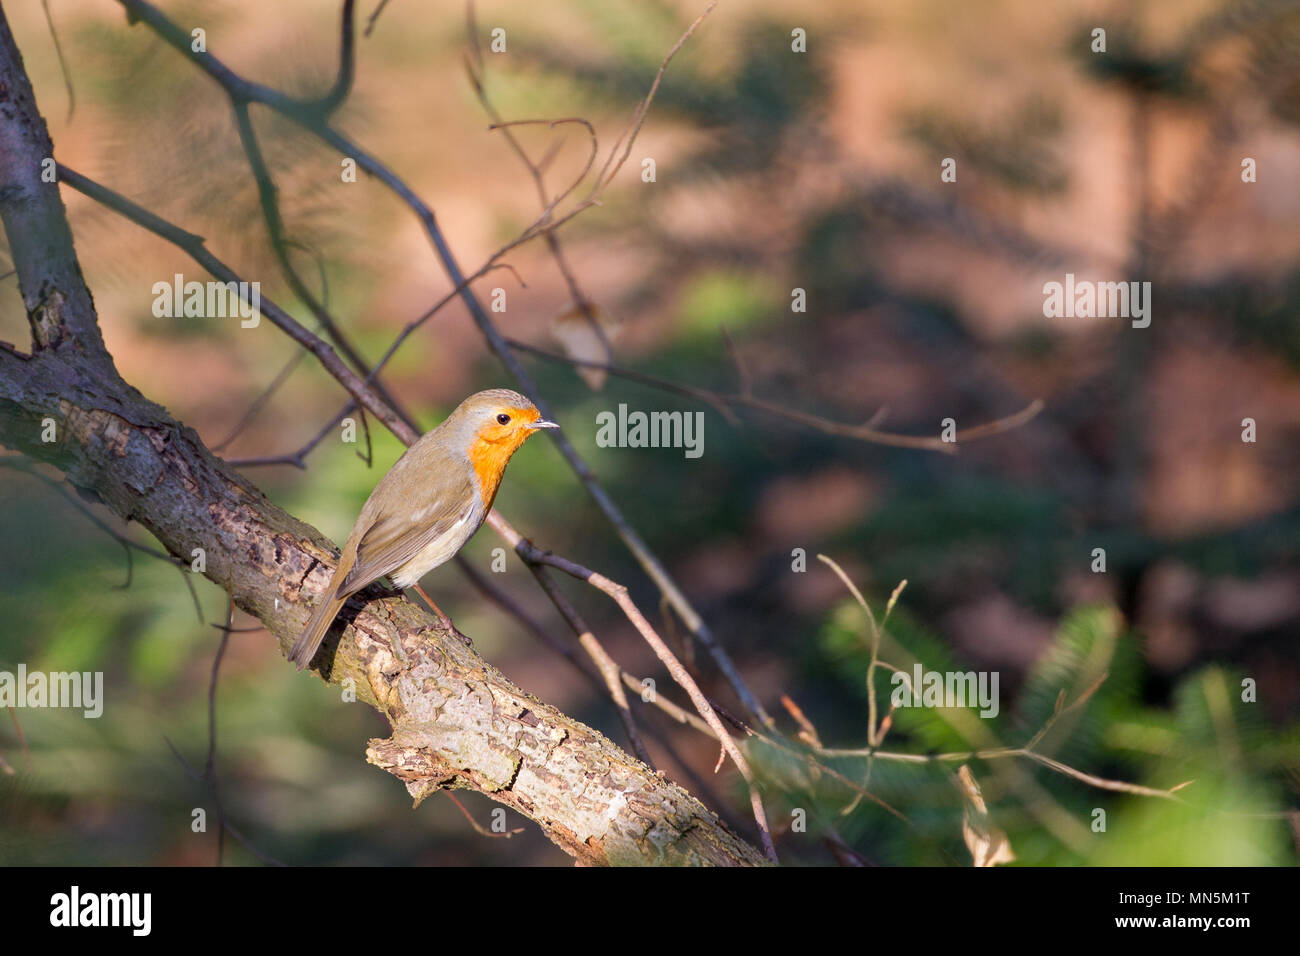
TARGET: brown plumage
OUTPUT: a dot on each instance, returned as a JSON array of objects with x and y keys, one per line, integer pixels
[{"x": 428, "y": 505}]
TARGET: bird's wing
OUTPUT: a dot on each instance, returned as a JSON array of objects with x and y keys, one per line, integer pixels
[{"x": 393, "y": 539}]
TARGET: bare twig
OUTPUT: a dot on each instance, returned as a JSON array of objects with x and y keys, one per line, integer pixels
[
  {"x": 607, "y": 173},
  {"x": 808, "y": 731},
  {"x": 332, "y": 100},
  {"x": 63, "y": 63},
  {"x": 298, "y": 458},
  {"x": 370, "y": 21},
  {"x": 724, "y": 401},
  {"x": 194, "y": 246},
  {"x": 210, "y": 765},
  {"x": 230, "y": 828},
  {"x": 267, "y": 197},
  {"x": 261, "y": 401},
  {"x": 478, "y": 827},
  {"x": 22, "y": 738},
  {"x": 583, "y": 665},
  {"x": 474, "y": 65},
  {"x": 609, "y": 670}
]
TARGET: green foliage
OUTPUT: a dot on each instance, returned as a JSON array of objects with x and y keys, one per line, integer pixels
[{"x": 1080, "y": 705}]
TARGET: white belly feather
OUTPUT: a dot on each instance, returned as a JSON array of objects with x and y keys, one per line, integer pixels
[{"x": 439, "y": 549}]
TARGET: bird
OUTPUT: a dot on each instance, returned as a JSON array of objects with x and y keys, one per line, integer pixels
[{"x": 428, "y": 504}]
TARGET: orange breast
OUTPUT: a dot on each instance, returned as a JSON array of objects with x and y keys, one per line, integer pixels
[{"x": 489, "y": 460}]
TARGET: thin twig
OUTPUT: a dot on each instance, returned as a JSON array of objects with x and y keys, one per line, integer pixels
[
  {"x": 724, "y": 401},
  {"x": 478, "y": 827},
  {"x": 194, "y": 246},
  {"x": 332, "y": 100},
  {"x": 210, "y": 765},
  {"x": 475, "y": 68},
  {"x": 243, "y": 841},
  {"x": 22, "y": 738},
  {"x": 63, "y": 63},
  {"x": 370, "y": 21},
  {"x": 609, "y": 670},
  {"x": 582, "y": 664},
  {"x": 267, "y": 197}
]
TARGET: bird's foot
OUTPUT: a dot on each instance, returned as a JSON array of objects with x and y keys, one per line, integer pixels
[{"x": 442, "y": 616}]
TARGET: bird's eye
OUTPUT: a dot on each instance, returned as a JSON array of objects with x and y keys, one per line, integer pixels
[{"x": 503, "y": 419}]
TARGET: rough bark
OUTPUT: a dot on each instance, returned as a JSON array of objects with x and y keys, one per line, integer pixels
[{"x": 457, "y": 721}]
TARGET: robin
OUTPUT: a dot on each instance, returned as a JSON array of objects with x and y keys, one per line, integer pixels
[{"x": 428, "y": 505}]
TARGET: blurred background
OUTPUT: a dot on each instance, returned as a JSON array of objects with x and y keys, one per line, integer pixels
[{"x": 775, "y": 170}]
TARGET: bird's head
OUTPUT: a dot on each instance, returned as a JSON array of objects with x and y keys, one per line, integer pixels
[
  {"x": 500, "y": 417},
  {"x": 490, "y": 426}
]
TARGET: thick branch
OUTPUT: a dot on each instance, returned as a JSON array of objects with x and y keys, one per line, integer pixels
[{"x": 54, "y": 295}]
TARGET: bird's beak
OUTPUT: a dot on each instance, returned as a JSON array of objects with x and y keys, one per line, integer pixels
[{"x": 542, "y": 423}]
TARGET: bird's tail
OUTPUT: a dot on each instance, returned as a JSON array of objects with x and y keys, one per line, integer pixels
[{"x": 304, "y": 649}]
